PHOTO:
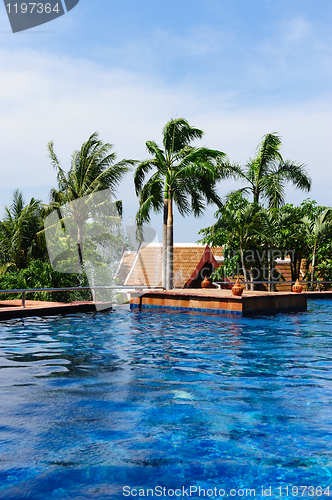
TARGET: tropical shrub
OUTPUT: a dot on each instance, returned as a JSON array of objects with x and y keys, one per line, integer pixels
[{"x": 39, "y": 274}]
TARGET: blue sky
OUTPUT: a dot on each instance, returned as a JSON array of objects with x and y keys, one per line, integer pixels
[{"x": 236, "y": 69}]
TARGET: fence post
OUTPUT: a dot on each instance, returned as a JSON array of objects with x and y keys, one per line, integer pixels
[{"x": 23, "y": 299}]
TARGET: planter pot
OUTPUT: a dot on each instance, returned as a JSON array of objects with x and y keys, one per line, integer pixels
[
  {"x": 297, "y": 288},
  {"x": 237, "y": 288},
  {"x": 139, "y": 282},
  {"x": 206, "y": 283}
]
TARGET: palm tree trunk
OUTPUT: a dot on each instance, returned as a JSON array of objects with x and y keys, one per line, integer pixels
[
  {"x": 164, "y": 269},
  {"x": 270, "y": 269},
  {"x": 256, "y": 196},
  {"x": 80, "y": 246},
  {"x": 243, "y": 267},
  {"x": 295, "y": 266},
  {"x": 169, "y": 268},
  {"x": 252, "y": 286},
  {"x": 313, "y": 267}
]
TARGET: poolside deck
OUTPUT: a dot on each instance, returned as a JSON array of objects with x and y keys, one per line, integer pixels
[
  {"x": 221, "y": 301},
  {"x": 208, "y": 300},
  {"x": 12, "y": 309}
]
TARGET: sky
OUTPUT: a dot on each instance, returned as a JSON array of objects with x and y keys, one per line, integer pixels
[{"x": 236, "y": 69}]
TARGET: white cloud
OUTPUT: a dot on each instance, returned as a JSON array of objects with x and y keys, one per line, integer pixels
[
  {"x": 294, "y": 59},
  {"x": 296, "y": 29}
]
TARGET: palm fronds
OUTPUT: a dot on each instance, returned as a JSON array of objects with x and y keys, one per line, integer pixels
[{"x": 267, "y": 173}]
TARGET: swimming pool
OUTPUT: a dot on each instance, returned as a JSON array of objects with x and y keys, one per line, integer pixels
[{"x": 90, "y": 404}]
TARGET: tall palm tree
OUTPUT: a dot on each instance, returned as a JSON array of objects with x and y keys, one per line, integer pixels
[
  {"x": 18, "y": 231},
  {"x": 182, "y": 173},
  {"x": 92, "y": 170},
  {"x": 315, "y": 230},
  {"x": 268, "y": 173}
]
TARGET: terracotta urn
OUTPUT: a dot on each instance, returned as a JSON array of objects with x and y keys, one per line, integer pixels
[
  {"x": 237, "y": 288},
  {"x": 297, "y": 288},
  {"x": 206, "y": 283},
  {"x": 138, "y": 282}
]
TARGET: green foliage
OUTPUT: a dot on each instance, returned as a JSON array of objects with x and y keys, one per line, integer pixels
[
  {"x": 301, "y": 232},
  {"x": 19, "y": 243},
  {"x": 324, "y": 272},
  {"x": 295, "y": 238},
  {"x": 92, "y": 169},
  {"x": 235, "y": 230},
  {"x": 39, "y": 274},
  {"x": 183, "y": 173},
  {"x": 267, "y": 174},
  {"x": 318, "y": 229},
  {"x": 270, "y": 223},
  {"x": 22, "y": 236},
  {"x": 231, "y": 263},
  {"x": 221, "y": 233}
]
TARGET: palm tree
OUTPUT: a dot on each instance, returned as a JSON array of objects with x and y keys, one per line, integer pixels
[
  {"x": 18, "y": 231},
  {"x": 92, "y": 170},
  {"x": 315, "y": 229},
  {"x": 184, "y": 174},
  {"x": 267, "y": 173}
]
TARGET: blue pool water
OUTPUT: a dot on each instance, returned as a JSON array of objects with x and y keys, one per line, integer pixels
[{"x": 90, "y": 404}]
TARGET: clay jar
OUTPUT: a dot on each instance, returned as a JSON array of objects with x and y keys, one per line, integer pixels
[
  {"x": 139, "y": 282},
  {"x": 297, "y": 288},
  {"x": 237, "y": 288},
  {"x": 206, "y": 283}
]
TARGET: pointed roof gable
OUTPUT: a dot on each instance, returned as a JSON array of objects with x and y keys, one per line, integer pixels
[
  {"x": 207, "y": 258},
  {"x": 146, "y": 264}
]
